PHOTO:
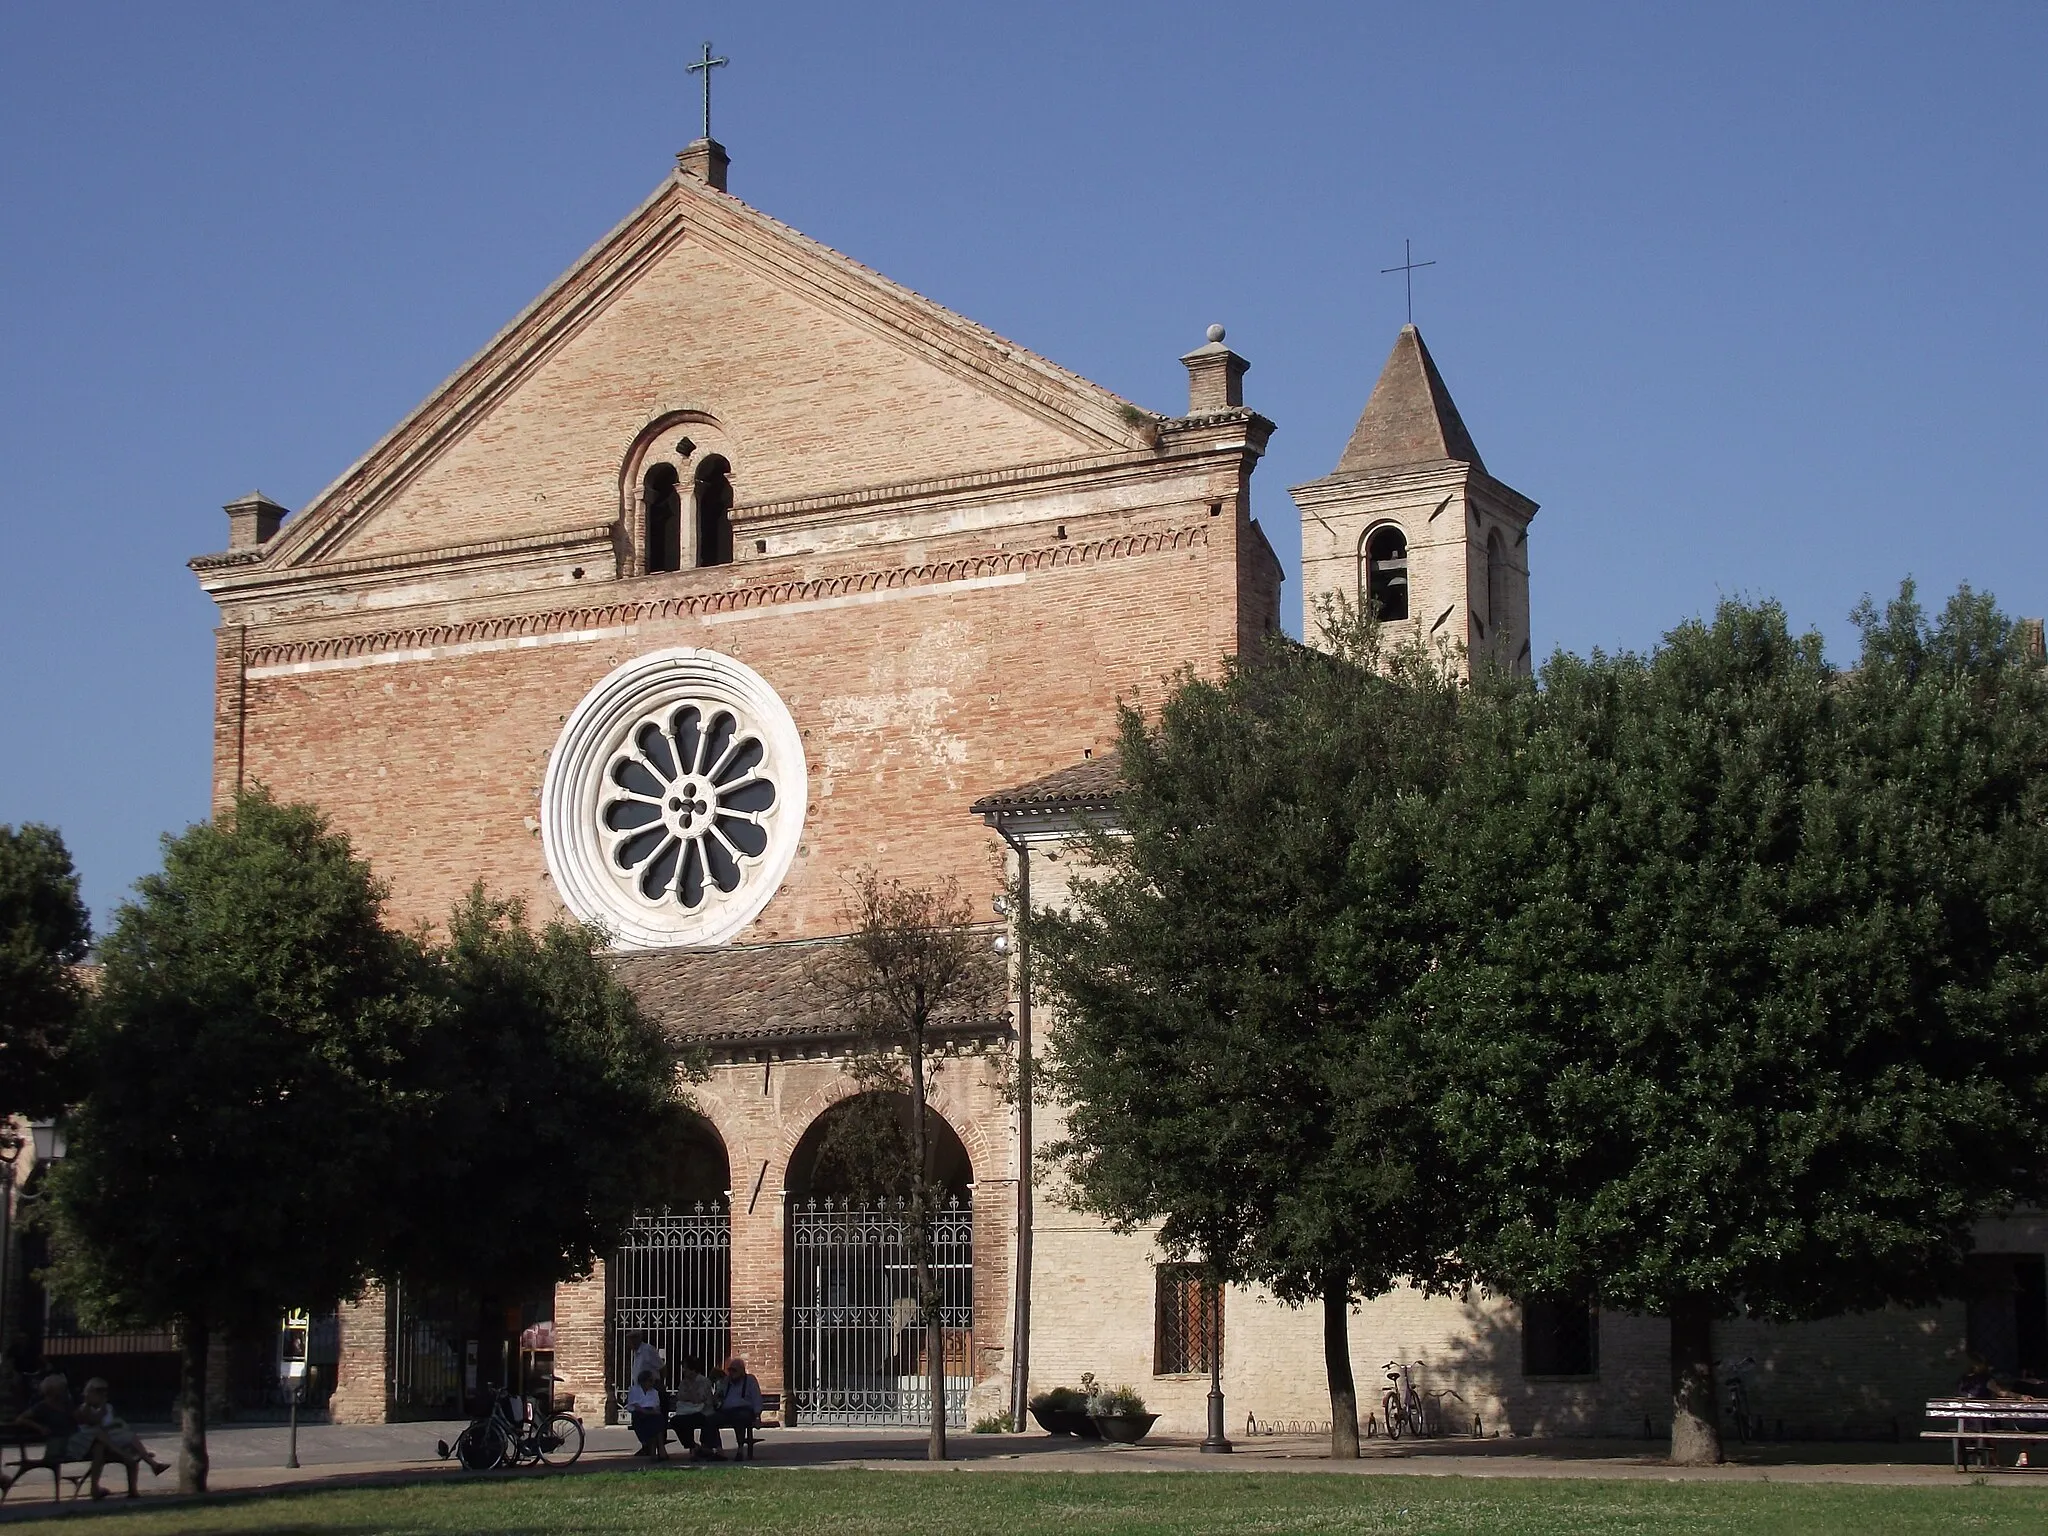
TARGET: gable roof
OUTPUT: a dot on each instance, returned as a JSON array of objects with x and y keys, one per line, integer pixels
[
  {"x": 1410, "y": 417},
  {"x": 751, "y": 239}
]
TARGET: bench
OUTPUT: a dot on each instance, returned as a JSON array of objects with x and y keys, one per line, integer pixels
[
  {"x": 743, "y": 1437},
  {"x": 32, "y": 1454},
  {"x": 1982, "y": 1422}
]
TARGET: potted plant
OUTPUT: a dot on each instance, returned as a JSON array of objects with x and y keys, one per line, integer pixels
[
  {"x": 1118, "y": 1414},
  {"x": 1064, "y": 1411}
]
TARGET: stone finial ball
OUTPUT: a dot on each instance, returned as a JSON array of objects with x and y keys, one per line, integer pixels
[{"x": 1215, "y": 333}]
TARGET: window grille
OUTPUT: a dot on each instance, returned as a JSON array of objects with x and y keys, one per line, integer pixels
[
  {"x": 1560, "y": 1337},
  {"x": 1187, "y": 1322}
]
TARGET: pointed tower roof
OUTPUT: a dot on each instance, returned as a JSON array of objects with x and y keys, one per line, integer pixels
[{"x": 1410, "y": 418}]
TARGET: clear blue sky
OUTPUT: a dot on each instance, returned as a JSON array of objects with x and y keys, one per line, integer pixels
[{"x": 1747, "y": 296}]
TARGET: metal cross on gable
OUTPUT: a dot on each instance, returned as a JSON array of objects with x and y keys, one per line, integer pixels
[
  {"x": 704, "y": 66},
  {"x": 1408, "y": 268}
]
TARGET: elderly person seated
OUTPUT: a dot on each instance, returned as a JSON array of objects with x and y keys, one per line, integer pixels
[
  {"x": 739, "y": 1405},
  {"x": 650, "y": 1424},
  {"x": 121, "y": 1442},
  {"x": 694, "y": 1400}
]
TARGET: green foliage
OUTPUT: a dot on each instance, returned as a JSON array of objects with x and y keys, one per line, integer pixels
[
  {"x": 1060, "y": 1400},
  {"x": 1117, "y": 1402},
  {"x": 537, "y": 1098},
  {"x": 1742, "y": 1005},
  {"x": 252, "y": 1007},
  {"x": 44, "y": 933},
  {"x": 994, "y": 1424},
  {"x": 1234, "y": 1045}
]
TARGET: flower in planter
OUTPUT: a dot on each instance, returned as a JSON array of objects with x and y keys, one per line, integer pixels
[{"x": 1117, "y": 1403}]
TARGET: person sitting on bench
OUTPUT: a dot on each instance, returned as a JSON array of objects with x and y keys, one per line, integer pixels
[
  {"x": 65, "y": 1439},
  {"x": 739, "y": 1405},
  {"x": 695, "y": 1396},
  {"x": 650, "y": 1424}
]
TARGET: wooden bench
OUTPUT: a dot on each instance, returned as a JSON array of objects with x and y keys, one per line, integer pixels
[{"x": 1982, "y": 1422}]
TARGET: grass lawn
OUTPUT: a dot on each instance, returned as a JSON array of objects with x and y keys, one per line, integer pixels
[{"x": 772, "y": 1501}]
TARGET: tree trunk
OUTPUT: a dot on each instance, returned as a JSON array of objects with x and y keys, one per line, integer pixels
[
  {"x": 1337, "y": 1363},
  {"x": 192, "y": 1463},
  {"x": 921, "y": 1238},
  {"x": 1695, "y": 1415}
]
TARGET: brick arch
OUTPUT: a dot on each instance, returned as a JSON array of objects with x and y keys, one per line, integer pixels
[{"x": 980, "y": 1154}]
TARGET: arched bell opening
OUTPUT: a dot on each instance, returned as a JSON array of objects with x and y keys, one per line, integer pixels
[
  {"x": 670, "y": 1282},
  {"x": 856, "y": 1333}
]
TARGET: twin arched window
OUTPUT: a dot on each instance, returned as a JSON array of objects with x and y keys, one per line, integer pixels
[
  {"x": 710, "y": 503},
  {"x": 1384, "y": 583}
]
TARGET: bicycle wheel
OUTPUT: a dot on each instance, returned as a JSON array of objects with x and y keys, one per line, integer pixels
[
  {"x": 1390, "y": 1411},
  {"x": 483, "y": 1446},
  {"x": 562, "y": 1441}
]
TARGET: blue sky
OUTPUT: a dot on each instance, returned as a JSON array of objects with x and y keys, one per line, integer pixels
[{"x": 1747, "y": 296}]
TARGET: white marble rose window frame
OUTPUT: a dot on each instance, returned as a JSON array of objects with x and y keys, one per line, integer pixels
[{"x": 674, "y": 800}]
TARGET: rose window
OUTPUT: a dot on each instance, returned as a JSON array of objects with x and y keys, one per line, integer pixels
[
  {"x": 674, "y": 800},
  {"x": 691, "y": 795}
]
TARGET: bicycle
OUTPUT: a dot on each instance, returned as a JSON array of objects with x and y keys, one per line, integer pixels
[
  {"x": 1738, "y": 1396},
  {"x": 1401, "y": 1408},
  {"x": 512, "y": 1433}
]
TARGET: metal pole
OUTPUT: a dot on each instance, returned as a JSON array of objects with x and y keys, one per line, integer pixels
[
  {"x": 1217, "y": 1443},
  {"x": 292, "y": 1456}
]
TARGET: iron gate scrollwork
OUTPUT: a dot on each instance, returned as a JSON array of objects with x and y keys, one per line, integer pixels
[
  {"x": 672, "y": 1281},
  {"x": 857, "y": 1343}
]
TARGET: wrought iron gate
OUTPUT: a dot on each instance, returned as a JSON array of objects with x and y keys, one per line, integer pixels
[
  {"x": 426, "y": 1347},
  {"x": 672, "y": 1280},
  {"x": 856, "y": 1341}
]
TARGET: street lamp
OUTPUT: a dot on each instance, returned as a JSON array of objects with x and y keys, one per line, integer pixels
[{"x": 49, "y": 1140}]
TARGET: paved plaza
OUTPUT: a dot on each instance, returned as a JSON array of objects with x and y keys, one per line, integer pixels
[{"x": 247, "y": 1457}]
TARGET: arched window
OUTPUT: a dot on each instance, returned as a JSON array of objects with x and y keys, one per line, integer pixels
[
  {"x": 1496, "y": 583},
  {"x": 664, "y": 499},
  {"x": 714, "y": 511},
  {"x": 1385, "y": 587}
]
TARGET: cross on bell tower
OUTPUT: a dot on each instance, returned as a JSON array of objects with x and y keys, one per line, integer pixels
[
  {"x": 704, "y": 66},
  {"x": 705, "y": 159}
]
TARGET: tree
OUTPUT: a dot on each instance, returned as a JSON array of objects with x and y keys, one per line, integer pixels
[
  {"x": 1739, "y": 1012},
  {"x": 44, "y": 934},
  {"x": 914, "y": 963},
  {"x": 537, "y": 1097},
  {"x": 1235, "y": 1044},
  {"x": 223, "y": 1161}
]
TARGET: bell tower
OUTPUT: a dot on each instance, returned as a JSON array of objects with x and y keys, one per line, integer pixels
[{"x": 1411, "y": 523}]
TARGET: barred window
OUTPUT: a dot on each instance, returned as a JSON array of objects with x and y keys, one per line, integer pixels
[{"x": 1187, "y": 1321}]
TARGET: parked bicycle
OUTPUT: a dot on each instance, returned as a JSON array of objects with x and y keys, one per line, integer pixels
[
  {"x": 1401, "y": 1405},
  {"x": 515, "y": 1433},
  {"x": 1732, "y": 1374}
]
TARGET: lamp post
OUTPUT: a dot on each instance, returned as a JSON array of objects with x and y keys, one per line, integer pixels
[
  {"x": 1217, "y": 1442},
  {"x": 11, "y": 1144}
]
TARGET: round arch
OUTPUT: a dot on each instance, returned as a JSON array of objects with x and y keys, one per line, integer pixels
[
  {"x": 980, "y": 1153},
  {"x": 859, "y": 1147}
]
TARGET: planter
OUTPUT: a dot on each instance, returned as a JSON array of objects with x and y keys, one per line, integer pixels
[
  {"x": 1124, "y": 1428},
  {"x": 1066, "y": 1421}
]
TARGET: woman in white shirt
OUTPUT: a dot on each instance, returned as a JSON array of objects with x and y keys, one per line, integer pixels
[{"x": 643, "y": 1404}]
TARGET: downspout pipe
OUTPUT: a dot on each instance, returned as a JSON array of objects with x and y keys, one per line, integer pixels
[{"x": 1020, "y": 1343}]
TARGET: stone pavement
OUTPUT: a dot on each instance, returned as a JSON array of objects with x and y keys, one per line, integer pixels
[{"x": 250, "y": 1457}]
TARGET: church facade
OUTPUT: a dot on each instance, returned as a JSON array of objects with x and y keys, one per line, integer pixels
[{"x": 730, "y": 568}]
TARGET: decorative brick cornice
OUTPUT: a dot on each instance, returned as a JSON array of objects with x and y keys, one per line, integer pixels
[{"x": 612, "y": 616}]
